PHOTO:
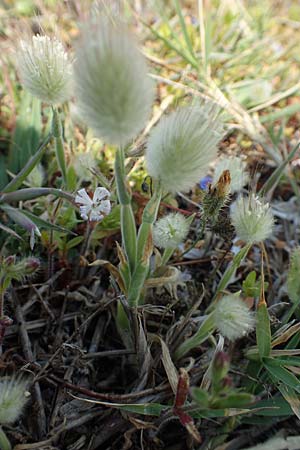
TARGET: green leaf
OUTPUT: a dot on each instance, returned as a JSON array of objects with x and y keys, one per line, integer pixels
[
  {"x": 282, "y": 113},
  {"x": 31, "y": 193},
  {"x": 275, "y": 406},
  {"x": 236, "y": 400},
  {"x": 204, "y": 331},
  {"x": 3, "y": 173},
  {"x": 280, "y": 374},
  {"x": 146, "y": 409},
  {"x": 74, "y": 242},
  {"x": 229, "y": 272},
  {"x": 17, "y": 181},
  {"x": 41, "y": 223},
  {"x": 200, "y": 396},
  {"x": 184, "y": 29},
  {"x": 274, "y": 179},
  {"x": 263, "y": 330},
  {"x": 291, "y": 397},
  {"x": 293, "y": 279},
  {"x": 27, "y": 133}
]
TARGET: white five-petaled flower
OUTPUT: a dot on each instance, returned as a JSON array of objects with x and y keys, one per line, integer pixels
[{"x": 94, "y": 209}]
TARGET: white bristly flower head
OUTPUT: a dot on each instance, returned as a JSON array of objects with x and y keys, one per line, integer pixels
[
  {"x": 112, "y": 86},
  {"x": 94, "y": 209},
  {"x": 12, "y": 399},
  {"x": 252, "y": 219},
  {"x": 170, "y": 231},
  {"x": 237, "y": 168},
  {"x": 45, "y": 70},
  {"x": 182, "y": 145},
  {"x": 233, "y": 317}
]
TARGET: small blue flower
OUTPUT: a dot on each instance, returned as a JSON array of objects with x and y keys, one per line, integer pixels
[{"x": 204, "y": 182}]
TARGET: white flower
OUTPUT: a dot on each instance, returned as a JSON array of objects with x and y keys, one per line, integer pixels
[
  {"x": 45, "y": 70},
  {"x": 12, "y": 399},
  {"x": 236, "y": 166},
  {"x": 112, "y": 85},
  {"x": 182, "y": 145},
  {"x": 170, "y": 231},
  {"x": 252, "y": 219},
  {"x": 233, "y": 317},
  {"x": 94, "y": 209}
]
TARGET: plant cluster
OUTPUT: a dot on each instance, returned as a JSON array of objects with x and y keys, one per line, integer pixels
[{"x": 108, "y": 80}]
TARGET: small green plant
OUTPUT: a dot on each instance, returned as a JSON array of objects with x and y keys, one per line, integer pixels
[{"x": 114, "y": 94}]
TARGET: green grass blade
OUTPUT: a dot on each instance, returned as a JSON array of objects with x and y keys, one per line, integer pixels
[
  {"x": 27, "y": 134},
  {"x": 280, "y": 374},
  {"x": 263, "y": 330},
  {"x": 184, "y": 29},
  {"x": 274, "y": 179},
  {"x": 17, "y": 181},
  {"x": 291, "y": 397}
]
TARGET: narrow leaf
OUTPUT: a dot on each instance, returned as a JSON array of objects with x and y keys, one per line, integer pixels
[{"x": 263, "y": 331}]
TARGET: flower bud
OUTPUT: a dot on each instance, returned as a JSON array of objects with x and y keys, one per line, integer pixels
[
  {"x": 252, "y": 219},
  {"x": 182, "y": 145},
  {"x": 233, "y": 317},
  {"x": 17, "y": 270},
  {"x": 45, "y": 70},
  {"x": 170, "y": 231},
  {"x": 31, "y": 265},
  {"x": 216, "y": 196},
  {"x": 12, "y": 399},
  {"x": 219, "y": 370},
  {"x": 112, "y": 85},
  {"x": 236, "y": 166}
]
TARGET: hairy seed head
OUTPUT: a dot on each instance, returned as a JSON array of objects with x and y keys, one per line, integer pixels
[
  {"x": 45, "y": 70},
  {"x": 182, "y": 145},
  {"x": 233, "y": 317},
  {"x": 170, "y": 231},
  {"x": 252, "y": 219},
  {"x": 12, "y": 399},
  {"x": 113, "y": 88}
]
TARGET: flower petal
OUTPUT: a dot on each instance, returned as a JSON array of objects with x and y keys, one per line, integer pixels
[
  {"x": 100, "y": 193},
  {"x": 83, "y": 198},
  {"x": 104, "y": 207},
  {"x": 96, "y": 216}
]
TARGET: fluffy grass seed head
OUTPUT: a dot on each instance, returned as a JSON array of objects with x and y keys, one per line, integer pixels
[
  {"x": 170, "y": 231},
  {"x": 252, "y": 219},
  {"x": 12, "y": 399},
  {"x": 238, "y": 174},
  {"x": 45, "y": 69},
  {"x": 182, "y": 145},
  {"x": 233, "y": 317},
  {"x": 112, "y": 86}
]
